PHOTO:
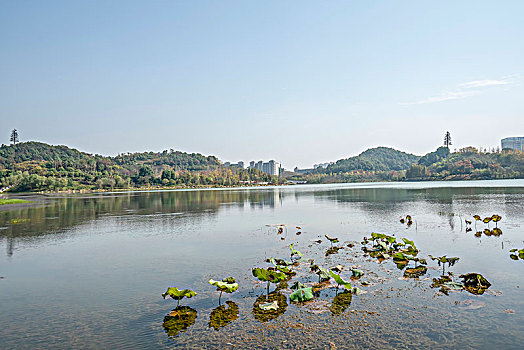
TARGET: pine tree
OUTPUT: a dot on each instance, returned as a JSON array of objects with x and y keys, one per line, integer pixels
[
  {"x": 447, "y": 139},
  {"x": 14, "y": 137}
]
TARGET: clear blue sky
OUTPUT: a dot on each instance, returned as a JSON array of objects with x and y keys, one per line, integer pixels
[{"x": 297, "y": 81}]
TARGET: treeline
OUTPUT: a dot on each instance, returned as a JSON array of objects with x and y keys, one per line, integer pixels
[
  {"x": 386, "y": 164},
  {"x": 468, "y": 164},
  {"x": 36, "y": 166}
]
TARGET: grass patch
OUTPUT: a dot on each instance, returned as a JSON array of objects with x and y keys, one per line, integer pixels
[{"x": 12, "y": 201}]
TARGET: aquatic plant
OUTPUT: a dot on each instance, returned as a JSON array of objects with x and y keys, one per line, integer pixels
[
  {"x": 323, "y": 274},
  {"x": 301, "y": 292},
  {"x": 295, "y": 254},
  {"x": 343, "y": 283},
  {"x": 517, "y": 254},
  {"x": 178, "y": 295},
  {"x": 475, "y": 283},
  {"x": 443, "y": 260},
  {"x": 270, "y": 275},
  {"x": 227, "y": 285},
  {"x": 331, "y": 239},
  {"x": 496, "y": 218}
]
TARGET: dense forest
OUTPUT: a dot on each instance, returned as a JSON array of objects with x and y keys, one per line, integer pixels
[
  {"x": 36, "y": 166},
  {"x": 387, "y": 164}
]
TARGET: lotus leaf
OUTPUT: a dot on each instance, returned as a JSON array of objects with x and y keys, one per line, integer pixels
[
  {"x": 294, "y": 252},
  {"x": 302, "y": 294},
  {"x": 475, "y": 283},
  {"x": 221, "y": 316},
  {"x": 477, "y": 218},
  {"x": 333, "y": 250},
  {"x": 179, "y": 320},
  {"x": 176, "y": 294},
  {"x": 340, "y": 281},
  {"x": 224, "y": 286},
  {"x": 486, "y": 220},
  {"x": 407, "y": 241},
  {"x": 357, "y": 273},
  {"x": 496, "y": 218},
  {"x": 268, "y": 275}
]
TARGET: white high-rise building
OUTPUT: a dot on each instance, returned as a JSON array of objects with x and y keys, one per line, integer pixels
[{"x": 515, "y": 143}]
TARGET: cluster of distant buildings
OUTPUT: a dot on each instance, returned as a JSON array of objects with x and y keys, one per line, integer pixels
[
  {"x": 271, "y": 168},
  {"x": 515, "y": 143}
]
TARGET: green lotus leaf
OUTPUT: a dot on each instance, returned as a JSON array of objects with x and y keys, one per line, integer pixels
[
  {"x": 496, "y": 218},
  {"x": 486, "y": 220},
  {"x": 340, "y": 281},
  {"x": 302, "y": 294},
  {"x": 268, "y": 275},
  {"x": 357, "y": 273},
  {"x": 176, "y": 294},
  {"x": 407, "y": 241},
  {"x": 294, "y": 251},
  {"x": 513, "y": 250},
  {"x": 224, "y": 286},
  {"x": 356, "y": 290},
  {"x": 476, "y": 217}
]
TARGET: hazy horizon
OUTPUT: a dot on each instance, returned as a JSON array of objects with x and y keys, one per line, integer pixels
[{"x": 299, "y": 82}]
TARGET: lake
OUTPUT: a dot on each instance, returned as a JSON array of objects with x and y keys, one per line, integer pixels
[{"x": 88, "y": 271}]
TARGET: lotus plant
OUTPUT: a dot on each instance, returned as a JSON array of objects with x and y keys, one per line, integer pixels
[
  {"x": 269, "y": 275},
  {"x": 227, "y": 285},
  {"x": 177, "y": 294}
]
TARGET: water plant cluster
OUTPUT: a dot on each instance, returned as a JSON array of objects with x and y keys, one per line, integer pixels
[
  {"x": 403, "y": 251},
  {"x": 280, "y": 272},
  {"x": 517, "y": 254},
  {"x": 487, "y": 231}
]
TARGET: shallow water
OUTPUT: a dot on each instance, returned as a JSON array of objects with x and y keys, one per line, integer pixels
[{"x": 87, "y": 270}]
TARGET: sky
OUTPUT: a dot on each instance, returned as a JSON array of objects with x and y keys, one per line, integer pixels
[{"x": 301, "y": 82}]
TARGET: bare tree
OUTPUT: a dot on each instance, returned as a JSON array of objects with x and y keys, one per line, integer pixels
[{"x": 14, "y": 137}]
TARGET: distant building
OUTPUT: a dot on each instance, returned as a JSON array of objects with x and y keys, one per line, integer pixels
[
  {"x": 515, "y": 143},
  {"x": 272, "y": 167},
  {"x": 238, "y": 165},
  {"x": 322, "y": 165}
]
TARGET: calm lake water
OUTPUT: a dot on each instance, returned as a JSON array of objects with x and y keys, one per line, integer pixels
[{"x": 88, "y": 271}]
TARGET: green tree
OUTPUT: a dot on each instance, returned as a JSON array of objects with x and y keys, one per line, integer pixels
[
  {"x": 14, "y": 137},
  {"x": 447, "y": 139}
]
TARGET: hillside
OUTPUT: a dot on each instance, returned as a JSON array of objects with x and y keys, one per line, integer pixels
[
  {"x": 373, "y": 159},
  {"x": 36, "y": 166}
]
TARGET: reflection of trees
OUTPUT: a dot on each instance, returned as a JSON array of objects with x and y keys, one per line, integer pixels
[
  {"x": 179, "y": 320},
  {"x": 266, "y": 315},
  {"x": 223, "y": 315},
  {"x": 62, "y": 213}
]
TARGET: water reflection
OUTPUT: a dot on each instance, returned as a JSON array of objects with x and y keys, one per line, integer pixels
[
  {"x": 223, "y": 315},
  {"x": 179, "y": 320},
  {"x": 267, "y": 315},
  {"x": 341, "y": 302}
]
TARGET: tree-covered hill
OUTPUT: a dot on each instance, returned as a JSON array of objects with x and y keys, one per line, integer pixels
[
  {"x": 36, "y": 166},
  {"x": 373, "y": 159},
  {"x": 468, "y": 163}
]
